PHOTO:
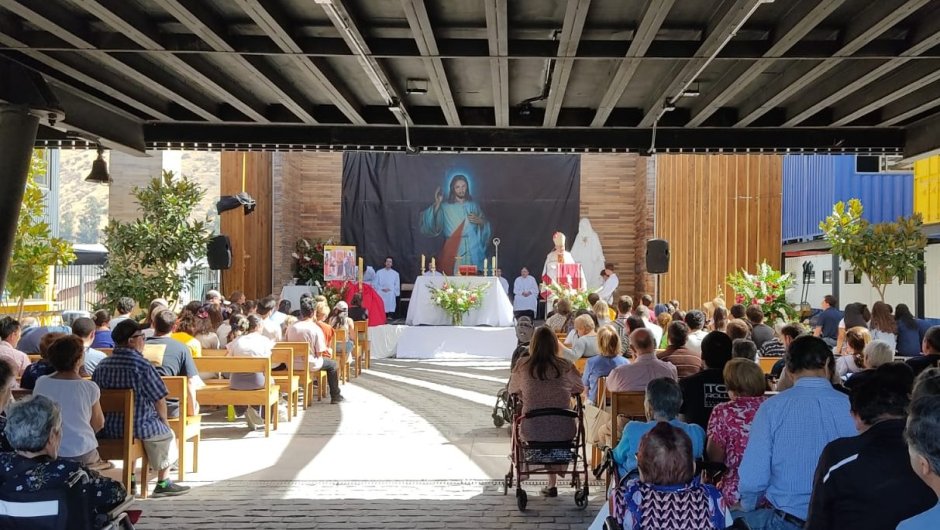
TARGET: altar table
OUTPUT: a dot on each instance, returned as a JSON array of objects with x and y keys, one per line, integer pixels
[{"x": 496, "y": 309}]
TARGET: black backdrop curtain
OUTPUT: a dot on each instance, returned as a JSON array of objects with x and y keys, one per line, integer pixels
[{"x": 389, "y": 198}]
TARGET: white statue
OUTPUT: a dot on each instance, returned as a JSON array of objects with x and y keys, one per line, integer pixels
[{"x": 587, "y": 251}]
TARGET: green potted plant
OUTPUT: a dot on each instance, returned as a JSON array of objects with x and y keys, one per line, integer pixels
[
  {"x": 158, "y": 254},
  {"x": 883, "y": 252}
]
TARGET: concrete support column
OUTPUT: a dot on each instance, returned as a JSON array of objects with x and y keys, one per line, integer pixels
[{"x": 17, "y": 135}]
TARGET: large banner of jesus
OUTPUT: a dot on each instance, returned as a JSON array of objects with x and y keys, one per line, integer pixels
[{"x": 450, "y": 207}]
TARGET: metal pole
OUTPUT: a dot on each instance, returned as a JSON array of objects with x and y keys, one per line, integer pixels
[
  {"x": 17, "y": 135},
  {"x": 81, "y": 287}
]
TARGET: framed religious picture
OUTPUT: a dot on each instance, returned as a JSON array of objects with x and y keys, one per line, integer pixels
[{"x": 339, "y": 263}]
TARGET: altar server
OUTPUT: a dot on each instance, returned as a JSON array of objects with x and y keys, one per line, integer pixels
[
  {"x": 611, "y": 282},
  {"x": 388, "y": 285},
  {"x": 526, "y": 292},
  {"x": 502, "y": 281}
]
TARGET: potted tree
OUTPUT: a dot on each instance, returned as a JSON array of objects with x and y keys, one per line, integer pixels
[
  {"x": 882, "y": 251},
  {"x": 158, "y": 254}
]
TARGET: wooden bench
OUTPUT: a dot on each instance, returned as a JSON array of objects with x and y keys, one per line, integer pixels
[
  {"x": 767, "y": 363},
  {"x": 217, "y": 392},
  {"x": 301, "y": 354},
  {"x": 580, "y": 364},
  {"x": 342, "y": 357},
  {"x": 362, "y": 345},
  {"x": 186, "y": 426},
  {"x": 286, "y": 379},
  {"x": 34, "y": 357},
  {"x": 630, "y": 406},
  {"x": 127, "y": 448}
]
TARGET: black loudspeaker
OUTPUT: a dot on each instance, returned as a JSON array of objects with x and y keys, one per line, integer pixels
[
  {"x": 657, "y": 256},
  {"x": 219, "y": 253}
]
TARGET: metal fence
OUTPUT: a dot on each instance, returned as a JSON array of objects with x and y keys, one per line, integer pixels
[{"x": 75, "y": 286}]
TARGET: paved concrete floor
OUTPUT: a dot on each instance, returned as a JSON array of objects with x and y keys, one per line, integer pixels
[{"x": 413, "y": 447}]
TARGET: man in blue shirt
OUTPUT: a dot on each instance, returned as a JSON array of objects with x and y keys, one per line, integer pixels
[
  {"x": 788, "y": 434},
  {"x": 827, "y": 323},
  {"x": 127, "y": 368},
  {"x": 922, "y": 434}
]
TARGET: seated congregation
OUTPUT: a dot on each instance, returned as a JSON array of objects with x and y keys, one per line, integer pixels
[
  {"x": 828, "y": 425},
  {"x": 74, "y": 384}
]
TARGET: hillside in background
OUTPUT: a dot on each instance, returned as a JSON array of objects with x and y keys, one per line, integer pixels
[{"x": 83, "y": 206}]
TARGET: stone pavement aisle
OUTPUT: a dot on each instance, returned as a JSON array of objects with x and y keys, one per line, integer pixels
[{"x": 413, "y": 447}]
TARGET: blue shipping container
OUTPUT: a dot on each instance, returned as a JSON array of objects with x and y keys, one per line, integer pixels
[{"x": 812, "y": 184}]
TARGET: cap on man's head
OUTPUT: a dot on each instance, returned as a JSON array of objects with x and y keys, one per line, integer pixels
[
  {"x": 124, "y": 330},
  {"x": 341, "y": 305},
  {"x": 212, "y": 293}
]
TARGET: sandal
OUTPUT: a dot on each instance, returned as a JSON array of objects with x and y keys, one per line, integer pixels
[
  {"x": 101, "y": 465},
  {"x": 549, "y": 492}
]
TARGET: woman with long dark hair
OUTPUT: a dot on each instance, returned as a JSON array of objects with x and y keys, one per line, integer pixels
[
  {"x": 546, "y": 380},
  {"x": 910, "y": 334},
  {"x": 882, "y": 325}
]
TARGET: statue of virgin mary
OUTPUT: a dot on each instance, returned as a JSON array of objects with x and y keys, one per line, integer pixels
[{"x": 587, "y": 251}]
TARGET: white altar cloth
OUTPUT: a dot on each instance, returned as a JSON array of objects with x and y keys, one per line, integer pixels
[
  {"x": 450, "y": 342},
  {"x": 496, "y": 309},
  {"x": 294, "y": 292}
]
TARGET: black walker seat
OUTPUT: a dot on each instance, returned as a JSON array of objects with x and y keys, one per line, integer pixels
[{"x": 543, "y": 458}]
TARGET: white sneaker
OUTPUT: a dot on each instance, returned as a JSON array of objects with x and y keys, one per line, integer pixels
[{"x": 255, "y": 421}]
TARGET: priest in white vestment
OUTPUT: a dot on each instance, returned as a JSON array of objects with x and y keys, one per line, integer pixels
[
  {"x": 587, "y": 251},
  {"x": 559, "y": 256},
  {"x": 611, "y": 282},
  {"x": 526, "y": 292},
  {"x": 388, "y": 285}
]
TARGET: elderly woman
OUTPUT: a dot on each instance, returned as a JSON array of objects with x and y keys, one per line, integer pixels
[
  {"x": 875, "y": 354},
  {"x": 584, "y": 342},
  {"x": 78, "y": 400},
  {"x": 663, "y": 399},
  {"x": 34, "y": 429},
  {"x": 729, "y": 426},
  {"x": 608, "y": 343},
  {"x": 546, "y": 380},
  {"x": 666, "y": 481}
]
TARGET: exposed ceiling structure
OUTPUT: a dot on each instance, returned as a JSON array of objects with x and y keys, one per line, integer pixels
[{"x": 833, "y": 75}]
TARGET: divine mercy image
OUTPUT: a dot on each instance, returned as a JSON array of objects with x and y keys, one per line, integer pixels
[{"x": 461, "y": 220}]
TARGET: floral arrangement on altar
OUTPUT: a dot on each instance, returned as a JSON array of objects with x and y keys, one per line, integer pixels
[
  {"x": 457, "y": 300},
  {"x": 767, "y": 289},
  {"x": 577, "y": 297},
  {"x": 308, "y": 260}
]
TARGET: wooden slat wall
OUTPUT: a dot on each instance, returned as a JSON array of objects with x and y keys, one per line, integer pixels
[
  {"x": 720, "y": 213},
  {"x": 250, "y": 234},
  {"x": 614, "y": 197}
]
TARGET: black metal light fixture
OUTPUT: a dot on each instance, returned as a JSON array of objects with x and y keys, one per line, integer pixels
[
  {"x": 99, "y": 169},
  {"x": 230, "y": 202}
]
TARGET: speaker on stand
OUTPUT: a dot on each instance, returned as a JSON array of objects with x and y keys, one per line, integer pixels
[{"x": 657, "y": 260}]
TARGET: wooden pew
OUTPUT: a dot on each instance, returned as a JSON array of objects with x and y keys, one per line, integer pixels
[
  {"x": 342, "y": 357},
  {"x": 581, "y": 364},
  {"x": 767, "y": 363},
  {"x": 301, "y": 350},
  {"x": 218, "y": 392},
  {"x": 185, "y": 427},
  {"x": 363, "y": 345},
  {"x": 630, "y": 406},
  {"x": 127, "y": 448},
  {"x": 34, "y": 357},
  {"x": 289, "y": 381}
]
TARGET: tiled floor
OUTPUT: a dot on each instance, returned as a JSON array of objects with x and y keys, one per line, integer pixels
[{"x": 412, "y": 447}]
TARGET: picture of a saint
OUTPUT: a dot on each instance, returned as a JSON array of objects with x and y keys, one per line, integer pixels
[{"x": 462, "y": 222}]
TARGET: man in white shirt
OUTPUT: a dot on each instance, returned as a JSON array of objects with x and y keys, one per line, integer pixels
[
  {"x": 644, "y": 313},
  {"x": 611, "y": 282},
  {"x": 503, "y": 281},
  {"x": 526, "y": 292},
  {"x": 695, "y": 319},
  {"x": 307, "y": 330},
  {"x": 388, "y": 284}
]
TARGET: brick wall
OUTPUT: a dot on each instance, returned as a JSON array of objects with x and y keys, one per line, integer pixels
[{"x": 307, "y": 189}]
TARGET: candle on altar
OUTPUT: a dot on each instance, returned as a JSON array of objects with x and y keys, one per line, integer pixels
[
  {"x": 485, "y": 264},
  {"x": 433, "y": 265},
  {"x": 493, "y": 268},
  {"x": 422, "y": 263}
]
